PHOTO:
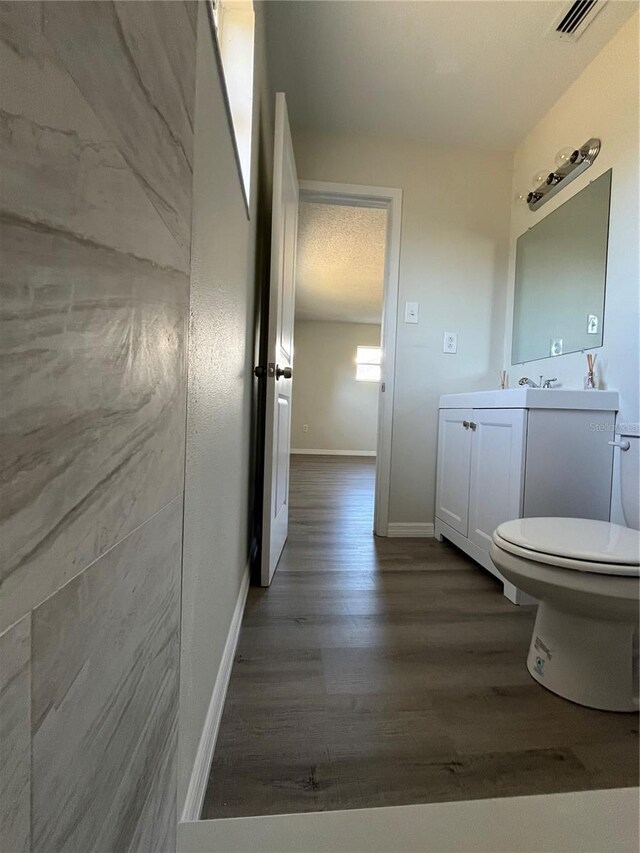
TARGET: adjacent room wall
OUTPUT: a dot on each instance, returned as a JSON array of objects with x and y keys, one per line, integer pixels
[
  {"x": 341, "y": 413},
  {"x": 453, "y": 261},
  {"x": 96, "y": 146},
  {"x": 229, "y": 264},
  {"x": 603, "y": 102}
]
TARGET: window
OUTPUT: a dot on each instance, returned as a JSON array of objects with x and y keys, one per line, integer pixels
[
  {"x": 368, "y": 361},
  {"x": 233, "y": 22}
]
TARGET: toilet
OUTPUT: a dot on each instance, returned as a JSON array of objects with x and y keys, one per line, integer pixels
[{"x": 586, "y": 577}]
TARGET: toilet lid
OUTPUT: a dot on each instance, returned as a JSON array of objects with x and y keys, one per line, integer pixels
[{"x": 575, "y": 539}]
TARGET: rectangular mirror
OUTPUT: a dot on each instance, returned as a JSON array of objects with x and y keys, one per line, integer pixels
[{"x": 561, "y": 269}]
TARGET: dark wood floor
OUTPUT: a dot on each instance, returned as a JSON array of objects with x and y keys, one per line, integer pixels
[{"x": 377, "y": 672}]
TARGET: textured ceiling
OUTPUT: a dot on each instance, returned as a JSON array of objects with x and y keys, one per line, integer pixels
[
  {"x": 464, "y": 73},
  {"x": 340, "y": 265}
]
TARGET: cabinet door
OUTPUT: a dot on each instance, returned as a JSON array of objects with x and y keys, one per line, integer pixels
[
  {"x": 497, "y": 470},
  {"x": 454, "y": 455}
]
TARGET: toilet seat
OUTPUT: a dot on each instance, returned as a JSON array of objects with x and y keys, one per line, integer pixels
[{"x": 580, "y": 544}]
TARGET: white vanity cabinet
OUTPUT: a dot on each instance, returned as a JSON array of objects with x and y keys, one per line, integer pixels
[{"x": 514, "y": 454}]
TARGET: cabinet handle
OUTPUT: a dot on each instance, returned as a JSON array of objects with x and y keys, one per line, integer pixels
[
  {"x": 473, "y": 425},
  {"x": 465, "y": 424}
]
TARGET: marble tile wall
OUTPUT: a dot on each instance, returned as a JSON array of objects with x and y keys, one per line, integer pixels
[
  {"x": 96, "y": 140},
  {"x": 106, "y": 692},
  {"x": 15, "y": 734},
  {"x": 95, "y": 284}
]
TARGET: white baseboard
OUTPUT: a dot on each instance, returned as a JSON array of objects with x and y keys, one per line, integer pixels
[
  {"x": 304, "y": 452},
  {"x": 202, "y": 763},
  {"x": 411, "y": 529}
]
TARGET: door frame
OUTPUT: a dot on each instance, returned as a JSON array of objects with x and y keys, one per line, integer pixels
[{"x": 389, "y": 199}]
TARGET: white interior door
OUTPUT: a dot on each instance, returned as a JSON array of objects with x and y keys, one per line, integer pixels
[
  {"x": 497, "y": 471},
  {"x": 284, "y": 226},
  {"x": 454, "y": 455}
]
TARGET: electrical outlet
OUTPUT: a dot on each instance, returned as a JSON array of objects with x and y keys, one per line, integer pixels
[
  {"x": 305, "y": 427},
  {"x": 555, "y": 347},
  {"x": 450, "y": 344}
]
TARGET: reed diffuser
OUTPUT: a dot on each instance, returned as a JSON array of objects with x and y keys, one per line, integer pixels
[
  {"x": 503, "y": 379},
  {"x": 590, "y": 378}
]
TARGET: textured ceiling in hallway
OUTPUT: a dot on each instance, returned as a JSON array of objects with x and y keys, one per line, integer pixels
[
  {"x": 462, "y": 73},
  {"x": 340, "y": 267}
]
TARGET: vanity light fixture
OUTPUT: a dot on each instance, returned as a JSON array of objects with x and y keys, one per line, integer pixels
[
  {"x": 539, "y": 177},
  {"x": 569, "y": 164},
  {"x": 564, "y": 155}
]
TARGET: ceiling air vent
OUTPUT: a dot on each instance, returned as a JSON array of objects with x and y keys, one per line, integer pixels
[{"x": 575, "y": 18}]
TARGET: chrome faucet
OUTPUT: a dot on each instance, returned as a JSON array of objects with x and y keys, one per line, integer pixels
[
  {"x": 546, "y": 383},
  {"x": 526, "y": 381}
]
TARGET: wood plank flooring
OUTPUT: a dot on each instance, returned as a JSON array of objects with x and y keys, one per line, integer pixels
[{"x": 377, "y": 672}]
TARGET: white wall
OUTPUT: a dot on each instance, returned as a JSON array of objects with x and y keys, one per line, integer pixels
[
  {"x": 453, "y": 261},
  {"x": 341, "y": 413},
  {"x": 603, "y": 103},
  {"x": 220, "y": 421}
]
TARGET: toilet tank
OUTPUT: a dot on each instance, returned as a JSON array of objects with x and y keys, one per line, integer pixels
[{"x": 626, "y": 480}]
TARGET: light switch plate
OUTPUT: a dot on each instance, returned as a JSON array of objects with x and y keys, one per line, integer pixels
[
  {"x": 450, "y": 343},
  {"x": 411, "y": 312}
]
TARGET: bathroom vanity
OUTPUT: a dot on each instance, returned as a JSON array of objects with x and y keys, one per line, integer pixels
[{"x": 520, "y": 453}]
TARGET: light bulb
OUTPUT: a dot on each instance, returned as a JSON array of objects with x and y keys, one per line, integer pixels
[
  {"x": 540, "y": 177},
  {"x": 564, "y": 156},
  {"x": 521, "y": 198}
]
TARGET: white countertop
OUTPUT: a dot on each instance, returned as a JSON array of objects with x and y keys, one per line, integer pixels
[{"x": 524, "y": 397}]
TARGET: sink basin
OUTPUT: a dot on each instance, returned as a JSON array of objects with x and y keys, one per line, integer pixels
[{"x": 524, "y": 397}]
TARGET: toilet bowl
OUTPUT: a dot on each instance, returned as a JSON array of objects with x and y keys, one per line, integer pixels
[{"x": 586, "y": 577}]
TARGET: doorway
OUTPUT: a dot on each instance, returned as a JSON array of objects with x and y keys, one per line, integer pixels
[
  {"x": 344, "y": 342},
  {"x": 336, "y": 381}
]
